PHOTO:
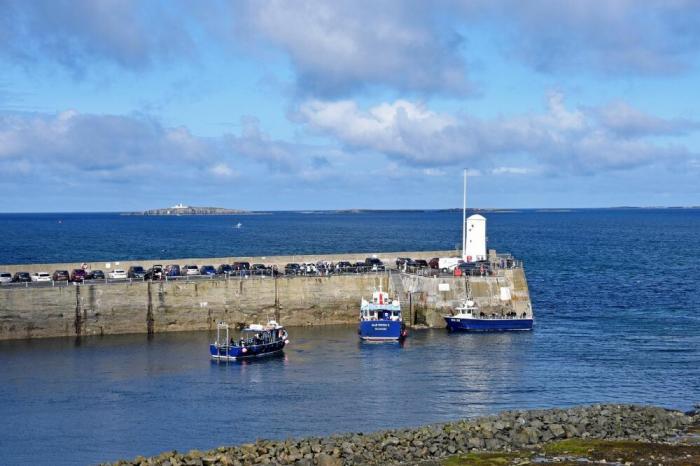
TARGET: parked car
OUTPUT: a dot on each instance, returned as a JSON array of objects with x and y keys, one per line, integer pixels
[
  {"x": 361, "y": 267},
  {"x": 61, "y": 276},
  {"x": 224, "y": 269},
  {"x": 207, "y": 270},
  {"x": 191, "y": 270},
  {"x": 374, "y": 264},
  {"x": 260, "y": 269},
  {"x": 118, "y": 274},
  {"x": 434, "y": 263},
  {"x": 155, "y": 273},
  {"x": 238, "y": 266},
  {"x": 137, "y": 272},
  {"x": 41, "y": 277},
  {"x": 292, "y": 269},
  {"x": 78, "y": 275},
  {"x": 421, "y": 264},
  {"x": 401, "y": 261},
  {"x": 344, "y": 267},
  {"x": 172, "y": 270},
  {"x": 22, "y": 277},
  {"x": 5, "y": 277},
  {"x": 96, "y": 275}
]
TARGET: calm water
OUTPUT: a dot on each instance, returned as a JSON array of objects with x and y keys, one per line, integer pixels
[{"x": 615, "y": 295}]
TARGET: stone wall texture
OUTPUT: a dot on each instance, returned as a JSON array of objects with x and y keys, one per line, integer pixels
[{"x": 150, "y": 307}]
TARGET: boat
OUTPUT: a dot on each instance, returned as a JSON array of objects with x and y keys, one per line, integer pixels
[
  {"x": 380, "y": 319},
  {"x": 254, "y": 341},
  {"x": 470, "y": 319}
]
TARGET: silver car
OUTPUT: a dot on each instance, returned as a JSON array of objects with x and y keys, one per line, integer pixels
[{"x": 5, "y": 277}]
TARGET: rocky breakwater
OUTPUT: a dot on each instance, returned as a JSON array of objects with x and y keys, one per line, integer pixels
[{"x": 507, "y": 431}]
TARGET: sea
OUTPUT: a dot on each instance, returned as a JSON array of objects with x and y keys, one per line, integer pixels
[{"x": 615, "y": 292}]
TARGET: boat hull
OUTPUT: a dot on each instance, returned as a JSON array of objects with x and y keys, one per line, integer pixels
[
  {"x": 235, "y": 353},
  {"x": 382, "y": 330},
  {"x": 455, "y": 324}
]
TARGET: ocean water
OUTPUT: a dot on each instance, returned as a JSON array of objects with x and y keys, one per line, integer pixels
[{"x": 615, "y": 292}]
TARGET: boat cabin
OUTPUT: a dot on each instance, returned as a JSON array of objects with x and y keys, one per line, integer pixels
[{"x": 253, "y": 335}]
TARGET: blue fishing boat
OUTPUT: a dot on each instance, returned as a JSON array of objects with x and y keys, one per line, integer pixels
[
  {"x": 254, "y": 341},
  {"x": 470, "y": 319},
  {"x": 380, "y": 319}
]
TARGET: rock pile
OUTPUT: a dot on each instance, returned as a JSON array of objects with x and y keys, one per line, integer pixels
[{"x": 506, "y": 431}]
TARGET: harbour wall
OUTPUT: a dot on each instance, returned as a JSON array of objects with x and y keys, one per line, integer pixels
[{"x": 154, "y": 307}]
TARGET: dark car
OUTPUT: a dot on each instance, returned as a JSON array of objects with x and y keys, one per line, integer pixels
[
  {"x": 260, "y": 269},
  {"x": 434, "y": 263},
  {"x": 207, "y": 270},
  {"x": 292, "y": 269},
  {"x": 409, "y": 264},
  {"x": 136, "y": 271},
  {"x": 360, "y": 267},
  {"x": 61, "y": 276},
  {"x": 374, "y": 264},
  {"x": 155, "y": 273},
  {"x": 344, "y": 267},
  {"x": 78, "y": 275},
  {"x": 224, "y": 269},
  {"x": 241, "y": 266},
  {"x": 22, "y": 277},
  {"x": 421, "y": 263},
  {"x": 401, "y": 261},
  {"x": 96, "y": 275},
  {"x": 172, "y": 270}
]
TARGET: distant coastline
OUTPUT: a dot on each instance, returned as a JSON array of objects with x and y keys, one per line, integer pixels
[{"x": 189, "y": 210}]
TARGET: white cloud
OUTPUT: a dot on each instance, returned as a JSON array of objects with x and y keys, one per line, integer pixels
[
  {"x": 344, "y": 45},
  {"x": 562, "y": 139},
  {"x": 222, "y": 170},
  {"x": 512, "y": 171}
]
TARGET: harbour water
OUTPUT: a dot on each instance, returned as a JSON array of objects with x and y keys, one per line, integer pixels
[{"x": 615, "y": 294}]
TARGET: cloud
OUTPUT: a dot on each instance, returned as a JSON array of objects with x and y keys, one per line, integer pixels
[
  {"x": 626, "y": 120},
  {"x": 582, "y": 140},
  {"x": 341, "y": 46},
  {"x": 72, "y": 148},
  {"x": 609, "y": 36},
  {"x": 222, "y": 170},
  {"x": 75, "y": 33},
  {"x": 512, "y": 171}
]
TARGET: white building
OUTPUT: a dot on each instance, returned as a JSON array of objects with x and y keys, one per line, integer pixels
[{"x": 475, "y": 247}]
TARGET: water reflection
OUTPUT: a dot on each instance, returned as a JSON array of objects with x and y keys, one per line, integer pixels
[{"x": 120, "y": 396}]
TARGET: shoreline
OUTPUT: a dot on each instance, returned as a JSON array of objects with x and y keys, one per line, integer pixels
[{"x": 509, "y": 434}]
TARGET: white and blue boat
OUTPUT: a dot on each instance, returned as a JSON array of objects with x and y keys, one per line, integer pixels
[
  {"x": 380, "y": 319},
  {"x": 254, "y": 341},
  {"x": 470, "y": 319}
]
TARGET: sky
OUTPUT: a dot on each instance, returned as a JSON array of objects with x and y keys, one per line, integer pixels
[{"x": 120, "y": 105}]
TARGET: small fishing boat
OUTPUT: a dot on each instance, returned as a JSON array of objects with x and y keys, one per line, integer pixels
[
  {"x": 254, "y": 341},
  {"x": 380, "y": 319},
  {"x": 470, "y": 319}
]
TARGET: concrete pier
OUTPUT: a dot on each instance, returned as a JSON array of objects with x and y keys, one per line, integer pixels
[{"x": 154, "y": 307}]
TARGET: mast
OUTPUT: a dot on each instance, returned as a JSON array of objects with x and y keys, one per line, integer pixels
[{"x": 464, "y": 218}]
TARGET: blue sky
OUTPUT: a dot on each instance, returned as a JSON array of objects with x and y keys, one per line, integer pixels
[{"x": 114, "y": 105}]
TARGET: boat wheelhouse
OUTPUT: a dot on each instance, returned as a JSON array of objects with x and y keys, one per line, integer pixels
[
  {"x": 381, "y": 319},
  {"x": 254, "y": 341},
  {"x": 470, "y": 319}
]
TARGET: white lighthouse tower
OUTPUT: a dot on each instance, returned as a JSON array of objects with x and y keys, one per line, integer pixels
[
  {"x": 473, "y": 232},
  {"x": 475, "y": 249}
]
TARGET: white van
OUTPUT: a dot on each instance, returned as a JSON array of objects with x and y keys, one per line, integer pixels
[{"x": 448, "y": 264}]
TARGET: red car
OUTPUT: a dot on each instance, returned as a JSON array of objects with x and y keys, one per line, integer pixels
[{"x": 78, "y": 275}]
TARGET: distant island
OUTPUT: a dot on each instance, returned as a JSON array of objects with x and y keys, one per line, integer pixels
[{"x": 180, "y": 209}]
